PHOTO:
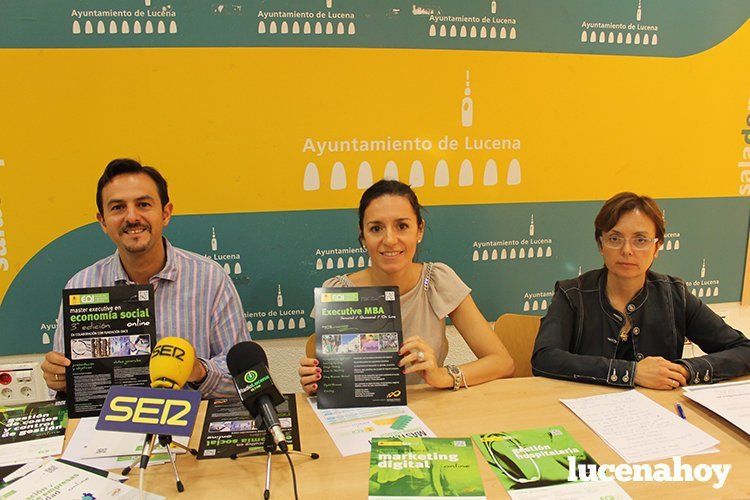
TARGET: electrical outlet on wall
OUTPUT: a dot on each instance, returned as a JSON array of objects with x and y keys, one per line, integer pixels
[{"x": 21, "y": 382}]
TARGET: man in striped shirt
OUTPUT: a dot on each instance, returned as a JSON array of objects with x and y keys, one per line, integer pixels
[{"x": 193, "y": 296}]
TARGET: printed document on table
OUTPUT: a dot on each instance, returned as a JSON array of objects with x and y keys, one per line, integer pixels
[
  {"x": 730, "y": 400},
  {"x": 352, "y": 429},
  {"x": 639, "y": 429}
]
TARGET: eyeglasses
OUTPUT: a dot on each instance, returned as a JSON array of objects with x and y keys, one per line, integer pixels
[{"x": 638, "y": 242}]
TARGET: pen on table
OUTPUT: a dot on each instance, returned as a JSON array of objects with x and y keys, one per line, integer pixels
[{"x": 680, "y": 411}]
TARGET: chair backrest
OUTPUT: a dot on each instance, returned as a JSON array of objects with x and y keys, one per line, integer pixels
[
  {"x": 518, "y": 333},
  {"x": 310, "y": 346}
]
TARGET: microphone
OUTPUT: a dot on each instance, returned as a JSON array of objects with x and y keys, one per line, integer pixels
[
  {"x": 171, "y": 363},
  {"x": 248, "y": 364}
]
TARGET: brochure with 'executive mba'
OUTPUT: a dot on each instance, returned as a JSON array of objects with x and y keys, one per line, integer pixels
[{"x": 358, "y": 334}]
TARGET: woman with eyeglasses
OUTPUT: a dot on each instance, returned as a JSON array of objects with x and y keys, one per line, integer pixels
[{"x": 625, "y": 325}]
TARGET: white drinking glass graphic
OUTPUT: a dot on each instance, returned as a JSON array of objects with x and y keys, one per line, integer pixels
[
  {"x": 391, "y": 171},
  {"x": 112, "y": 27},
  {"x": 693, "y": 291},
  {"x": 531, "y": 226},
  {"x": 494, "y": 254},
  {"x": 548, "y": 252},
  {"x": 88, "y": 28},
  {"x": 227, "y": 269},
  {"x": 539, "y": 252},
  {"x": 483, "y": 32},
  {"x": 645, "y": 39},
  {"x": 214, "y": 242},
  {"x": 526, "y": 306},
  {"x": 513, "y": 178},
  {"x": 259, "y": 326},
  {"x": 295, "y": 28},
  {"x": 628, "y": 39},
  {"x": 512, "y": 253},
  {"x": 329, "y": 263},
  {"x": 433, "y": 30},
  {"x": 352, "y": 29},
  {"x": 340, "y": 263},
  {"x": 319, "y": 264},
  {"x": 291, "y": 324},
  {"x": 467, "y": 105},
  {"x": 669, "y": 245},
  {"x": 442, "y": 174},
  {"x": 544, "y": 305},
  {"x": 655, "y": 39},
  {"x": 307, "y": 29},
  {"x": 100, "y": 27},
  {"x": 453, "y": 31},
  {"x": 619, "y": 37},
  {"x": 280, "y": 324},
  {"x": 361, "y": 261},
  {"x": 318, "y": 28},
  {"x": 350, "y": 263},
  {"x": 76, "y": 27},
  {"x": 149, "y": 27},
  {"x": 473, "y": 32},
  {"x": 329, "y": 28},
  {"x": 442, "y": 30},
  {"x": 161, "y": 27},
  {"x": 490, "y": 173},
  {"x": 485, "y": 255},
  {"x": 416, "y": 174},
  {"x": 708, "y": 291},
  {"x": 522, "y": 253},
  {"x": 584, "y": 36},
  {"x": 493, "y": 32},
  {"x": 284, "y": 27},
  {"x": 137, "y": 27},
  {"x": 269, "y": 325},
  {"x": 475, "y": 256},
  {"x": 611, "y": 37},
  {"x": 237, "y": 268},
  {"x": 125, "y": 27},
  {"x": 462, "y": 32},
  {"x": 340, "y": 29},
  {"x": 250, "y": 326},
  {"x": 45, "y": 336},
  {"x": 703, "y": 269},
  {"x": 364, "y": 175},
  {"x": 535, "y": 306},
  {"x": 639, "y": 11},
  {"x": 512, "y": 34},
  {"x": 279, "y": 297},
  {"x": 173, "y": 27},
  {"x": 504, "y": 254},
  {"x": 716, "y": 291},
  {"x": 677, "y": 244},
  {"x": 466, "y": 174},
  {"x": 637, "y": 38},
  {"x": 530, "y": 255},
  {"x": 338, "y": 177},
  {"x": 273, "y": 28},
  {"x": 700, "y": 292},
  {"x": 312, "y": 178},
  {"x": 493, "y": 7},
  {"x": 301, "y": 323},
  {"x": 503, "y": 32}
]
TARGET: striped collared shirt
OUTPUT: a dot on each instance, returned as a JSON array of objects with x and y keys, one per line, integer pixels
[{"x": 194, "y": 299}]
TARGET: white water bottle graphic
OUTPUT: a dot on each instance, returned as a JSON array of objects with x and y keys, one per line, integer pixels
[
  {"x": 214, "y": 243},
  {"x": 329, "y": 3},
  {"x": 531, "y": 226},
  {"x": 493, "y": 7},
  {"x": 638, "y": 11},
  {"x": 279, "y": 298},
  {"x": 467, "y": 105},
  {"x": 703, "y": 269}
]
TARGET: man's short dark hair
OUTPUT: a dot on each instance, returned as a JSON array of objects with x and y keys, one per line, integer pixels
[{"x": 122, "y": 166}]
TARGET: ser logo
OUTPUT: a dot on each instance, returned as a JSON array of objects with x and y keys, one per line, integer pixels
[
  {"x": 144, "y": 410},
  {"x": 393, "y": 394},
  {"x": 169, "y": 351}
]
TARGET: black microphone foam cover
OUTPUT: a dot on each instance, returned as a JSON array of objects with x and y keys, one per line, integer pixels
[{"x": 243, "y": 356}]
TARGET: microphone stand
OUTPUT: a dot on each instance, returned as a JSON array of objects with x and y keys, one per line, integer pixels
[
  {"x": 148, "y": 449},
  {"x": 269, "y": 449}
]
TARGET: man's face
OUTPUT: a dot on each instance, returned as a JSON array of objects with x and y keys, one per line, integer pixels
[{"x": 133, "y": 216}]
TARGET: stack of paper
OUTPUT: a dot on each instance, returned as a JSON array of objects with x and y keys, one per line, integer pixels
[
  {"x": 110, "y": 450},
  {"x": 730, "y": 400},
  {"x": 31, "y": 431},
  {"x": 639, "y": 429},
  {"x": 352, "y": 429}
]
